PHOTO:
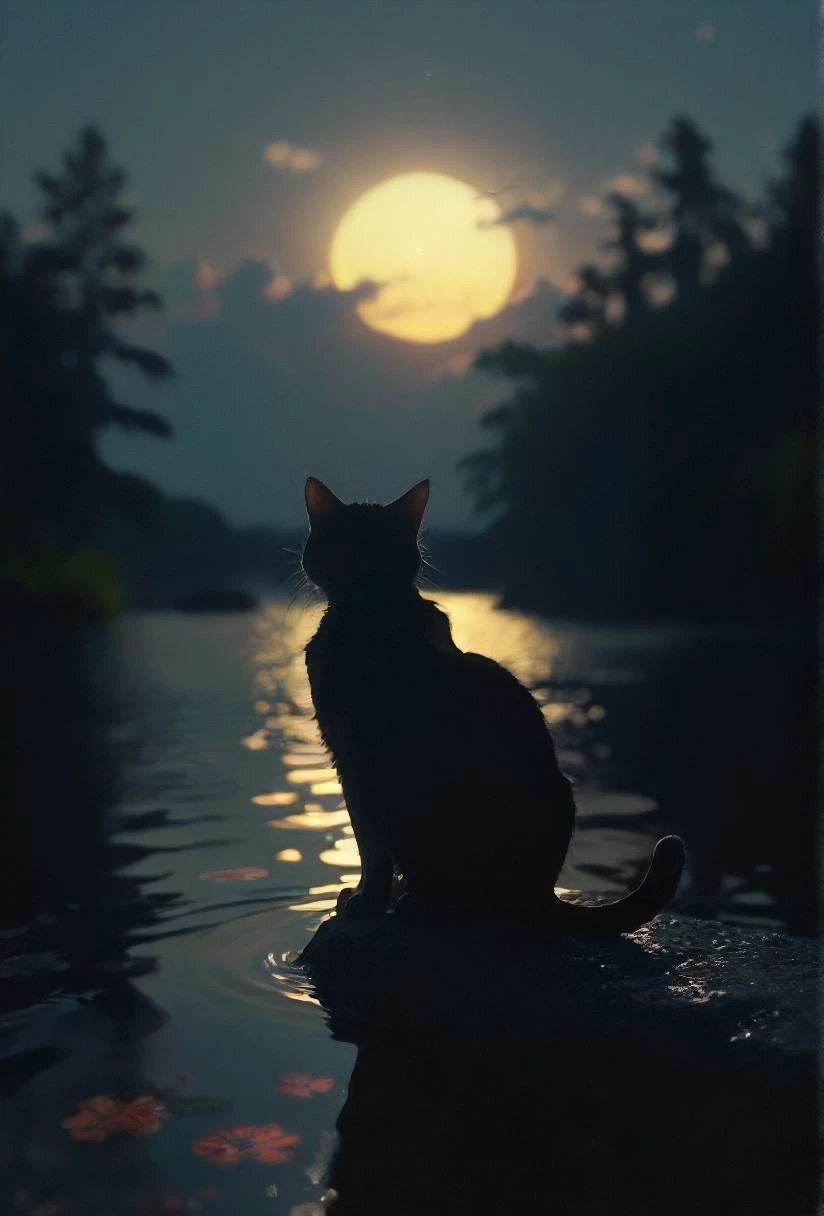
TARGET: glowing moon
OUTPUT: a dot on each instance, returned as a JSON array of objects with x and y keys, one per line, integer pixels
[{"x": 435, "y": 247}]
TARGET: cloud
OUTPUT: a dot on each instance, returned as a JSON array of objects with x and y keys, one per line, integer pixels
[
  {"x": 647, "y": 154},
  {"x": 551, "y": 194},
  {"x": 591, "y": 205},
  {"x": 455, "y": 365},
  {"x": 283, "y": 155},
  {"x": 512, "y": 189},
  {"x": 538, "y": 216},
  {"x": 206, "y": 276},
  {"x": 270, "y": 387},
  {"x": 626, "y": 183},
  {"x": 535, "y": 205},
  {"x": 278, "y": 288},
  {"x": 705, "y": 32},
  {"x": 529, "y": 317}
]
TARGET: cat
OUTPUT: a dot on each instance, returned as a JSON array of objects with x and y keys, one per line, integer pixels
[{"x": 447, "y": 766}]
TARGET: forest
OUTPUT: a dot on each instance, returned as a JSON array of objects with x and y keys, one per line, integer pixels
[{"x": 661, "y": 462}]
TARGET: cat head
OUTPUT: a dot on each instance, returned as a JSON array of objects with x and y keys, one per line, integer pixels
[{"x": 358, "y": 549}]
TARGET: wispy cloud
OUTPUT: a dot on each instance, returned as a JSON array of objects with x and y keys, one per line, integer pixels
[
  {"x": 626, "y": 183},
  {"x": 526, "y": 212},
  {"x": 274, "y": 356},
  {"x": 705, "y": 32},
  {"x": 206, "y": 276},
  {"x": 533, "y": 204},
  {"x": 283, "y": 155},
  {"x": 591, "y": 205},
  {"x": 510, "y": 189},
  {"x": 647, "y": 154},
  {"x": 548, "y": 196},
  {"x": 278, "y": 288}
]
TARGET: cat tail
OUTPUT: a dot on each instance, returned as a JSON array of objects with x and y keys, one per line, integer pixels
[{"x": 656, "y": 889}]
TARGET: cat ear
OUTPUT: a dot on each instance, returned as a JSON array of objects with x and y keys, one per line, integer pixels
[
  {"x": 320, "y": 501},
  {"x": 411, "y": 505}
]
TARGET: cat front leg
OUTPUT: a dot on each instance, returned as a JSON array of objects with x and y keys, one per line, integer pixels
[{"x": 372, "y": 894}]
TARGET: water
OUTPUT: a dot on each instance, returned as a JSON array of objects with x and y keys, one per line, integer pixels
[{"x": 245, "y": 845}]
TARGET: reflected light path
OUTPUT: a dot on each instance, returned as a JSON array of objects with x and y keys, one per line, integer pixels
[
  {"x": 604, "y": 857},
  {"x": 282, "y": 698}
]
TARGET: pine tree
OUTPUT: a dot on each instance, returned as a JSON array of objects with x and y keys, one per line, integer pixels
[
  {"x": 62, "y": 302},
  {"x": 704, "y": 213},
  {"x": 94, "y": 273},
  {"x": 588, "y": 306},
  {"x": 633, "y": 263},
  {"x": 84, "y": 208}
]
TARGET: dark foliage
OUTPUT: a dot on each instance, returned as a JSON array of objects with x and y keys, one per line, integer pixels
[
  {"x": 665, "y": 466},
  {"x": 62, "y": 304}
]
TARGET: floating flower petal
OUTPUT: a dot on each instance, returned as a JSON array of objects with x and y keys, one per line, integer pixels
[
  {"x": 95, "y": 1120},
  {"x": 143, "y": 1117},
  {"x": 266, "y": 1142},
  {"x": 302, "y": 1085}
]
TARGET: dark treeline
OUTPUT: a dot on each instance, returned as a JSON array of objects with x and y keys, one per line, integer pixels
[
  {"x": 75, "y": 533},
  {"x": 661, "y": 462},
  {"x": 62, "y": 301},
  {"x": 186, "y": 545}
]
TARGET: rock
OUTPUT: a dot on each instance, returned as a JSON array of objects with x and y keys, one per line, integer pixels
[{"x": 669, "y": 1071}]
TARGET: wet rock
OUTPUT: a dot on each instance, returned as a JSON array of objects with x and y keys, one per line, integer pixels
[{"x": 672, "y": 1070}]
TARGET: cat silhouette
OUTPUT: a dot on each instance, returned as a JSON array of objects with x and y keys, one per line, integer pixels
[{"x": 446, "y": 763}]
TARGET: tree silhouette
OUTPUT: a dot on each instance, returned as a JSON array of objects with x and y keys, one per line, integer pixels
[
  {"x": 633, "y": 262},
  {"x": 793, "y": 199},
  {"x": 62, "y": 304},
  {"x": 704, "y": 213},
  {"x": 588, "y": 306},
  {"x": 625, "y": 472}
]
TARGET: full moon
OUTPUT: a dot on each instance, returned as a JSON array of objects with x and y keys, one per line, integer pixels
[{"x": 434, "y": 247}]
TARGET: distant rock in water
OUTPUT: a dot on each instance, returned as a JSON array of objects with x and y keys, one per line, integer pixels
[{"x": 215, "y": 599}]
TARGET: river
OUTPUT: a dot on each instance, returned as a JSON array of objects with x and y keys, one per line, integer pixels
[{"x": 211, "y": 1082}]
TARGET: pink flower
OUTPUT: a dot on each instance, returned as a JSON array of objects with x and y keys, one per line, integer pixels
[
  {"x": 301, "y": 1085},
  {"x": 143, "y": 1116},
  {"x": 267, "y": 1142},
  {"x": 96, "y": 1119}
]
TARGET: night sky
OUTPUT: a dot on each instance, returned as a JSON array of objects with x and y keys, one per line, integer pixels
[{"x": 249, "y": 128}]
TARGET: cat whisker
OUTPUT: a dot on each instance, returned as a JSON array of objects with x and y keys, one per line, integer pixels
[
  {"x": 428, "y": 584},
  {"x": 298, "y": 576},
  {"x": 304, "y": 596}
]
